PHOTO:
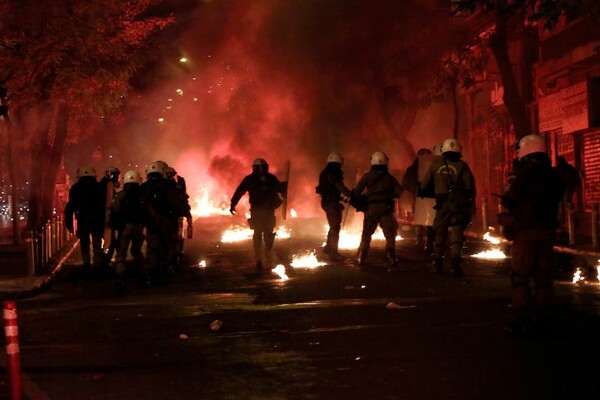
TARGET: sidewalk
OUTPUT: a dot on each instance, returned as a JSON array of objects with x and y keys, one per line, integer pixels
[{"x": 16, "y": 281}]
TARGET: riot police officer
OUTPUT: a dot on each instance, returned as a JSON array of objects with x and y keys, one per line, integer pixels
[
  {"x": 164, "y": 205},
  {"x": 453, "y": 185},
  {"x": 533, "y": 198},
  {"x": 381, "y": 190},
  {"x": 178, "y": 184},
  {"x": 129, "y": 215},
  {"x": 109, "y": 185},
  {"x": 86, "y": 202},
  {"x": 331, "y": 188},
  {"x": 264, "y": 190}
]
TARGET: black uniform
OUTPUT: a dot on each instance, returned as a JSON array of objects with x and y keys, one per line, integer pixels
[
  {"x": 381, "y": 189},
  {"x": 87, "y": 203},
  {"x": 179, "y": 187},
  {"x": 331, "y": 187},
  {"x": 129, "y": 216},
  {"x": 164, "y": 206},
  {"x": 533, "y": 198},
  {"x": 264, "y": 189}
]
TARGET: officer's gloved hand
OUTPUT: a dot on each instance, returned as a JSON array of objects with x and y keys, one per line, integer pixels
[{"x": 232, "y": 210}]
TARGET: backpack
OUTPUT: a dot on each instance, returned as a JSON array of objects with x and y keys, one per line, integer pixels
[{"x": 358, "y": 201}]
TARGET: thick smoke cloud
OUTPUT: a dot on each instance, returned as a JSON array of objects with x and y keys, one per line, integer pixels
[{"x": 287, "y": 80}]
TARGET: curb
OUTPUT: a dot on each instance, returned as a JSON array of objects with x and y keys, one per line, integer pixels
[{"x": 41, "y": 283}]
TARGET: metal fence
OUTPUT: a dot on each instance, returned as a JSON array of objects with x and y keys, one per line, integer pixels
[{"x": 46, "y": 244}]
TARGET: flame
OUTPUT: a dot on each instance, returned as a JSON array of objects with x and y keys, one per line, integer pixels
[
  {"x": 350, "y": 237},
  {"x": 202, "y": 264},
  {"x": 492, "y": 239},
  {"x": 204, "y": 206},
  {"x": 293, "y": 213},
  {"x": 577, "y": 277},
  {"x": 308, "y": 260},
  {"x": 283, "y": 233},
  {"x": 493, "y": 254},
  {"x": 238, "y": 233},
  {"x": 280, "y": 270}
]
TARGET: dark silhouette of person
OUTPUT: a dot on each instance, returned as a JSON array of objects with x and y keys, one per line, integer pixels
[
  {"x": 570, "y": 176},
  {"x": 533, "y": 198}
]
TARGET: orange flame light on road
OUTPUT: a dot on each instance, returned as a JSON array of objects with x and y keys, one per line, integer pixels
[
  {"x": 492, "y": 254},
  {"x": 240, "y": 233},
  {"x": 350, "y": 238},
  {"x": 307, "y": 260},
  {"x": 492, "y": 239},
  {"x": 578, "y": 277},
  {"x": 280, "y": 270}
]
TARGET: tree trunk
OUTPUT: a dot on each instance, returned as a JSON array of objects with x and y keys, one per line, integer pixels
[
  {"x": 40, "y": 151},
  {"x": 512, "y": 96},
  {"x": 53, "y": 162},
  {"x": 456, "y": 109},
  {"x": 401, "y": 132},
  {"x": 14, "y": 181}
]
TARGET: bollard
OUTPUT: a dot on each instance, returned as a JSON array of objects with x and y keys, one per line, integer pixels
[
  {"x": 13, "y": 355},
  {"x": 30, "y": 253},
  {"x": 595, "y": 226},
  {"x": 55, "y": 243},
  {"x": 571, "y": 223},
  {"x": 485, "y": 218}
]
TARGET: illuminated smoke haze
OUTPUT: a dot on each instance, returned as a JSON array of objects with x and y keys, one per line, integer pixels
[{"x": 282, "y": 80}]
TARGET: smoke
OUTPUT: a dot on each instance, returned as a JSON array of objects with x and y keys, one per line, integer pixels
[{"x": 282, "y": 80}]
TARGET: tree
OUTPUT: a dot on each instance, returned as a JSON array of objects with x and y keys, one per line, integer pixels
[
  {"x": 67, "y": 66},
  {"x": 514, "y": 16},
  {"x": 461, "y": 67}
]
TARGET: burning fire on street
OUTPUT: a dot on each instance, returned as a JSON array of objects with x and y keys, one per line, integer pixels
[
  {"x": 350, "y": 237},
  {"x": 494, "y": 253},
  {"x": 238, "y": 233},
  {"x": 580, "y": 278},
  {"x": 307, "y": 260},
  {"x": 203, "y": 205},
  {"x": 280, "y": 271}
]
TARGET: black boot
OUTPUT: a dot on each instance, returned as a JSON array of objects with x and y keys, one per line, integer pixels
[
  {"x": 362, "y": 258},
  {"x": 392, "y": 259},
  {"x": 456, "y": 267},
  {"x": 438, "y": 265},
  {"x": 334, "y": 255},
  {"x": 260, "y": 268}
]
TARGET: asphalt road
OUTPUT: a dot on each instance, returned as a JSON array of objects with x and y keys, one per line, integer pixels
[{"x": 333, "y": 332}]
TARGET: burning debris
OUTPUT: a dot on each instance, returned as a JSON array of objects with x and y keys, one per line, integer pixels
[
  {"x": 350, "y": 237},
  {"x": 280, "y": 271},
  {"x": 204, "y": 206},
  {"x": 493, "y": 254},
  {"x": 307, "y": 260},
  {"x": 238, "y": 233},
  {"x": 579, "y": 277}
]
